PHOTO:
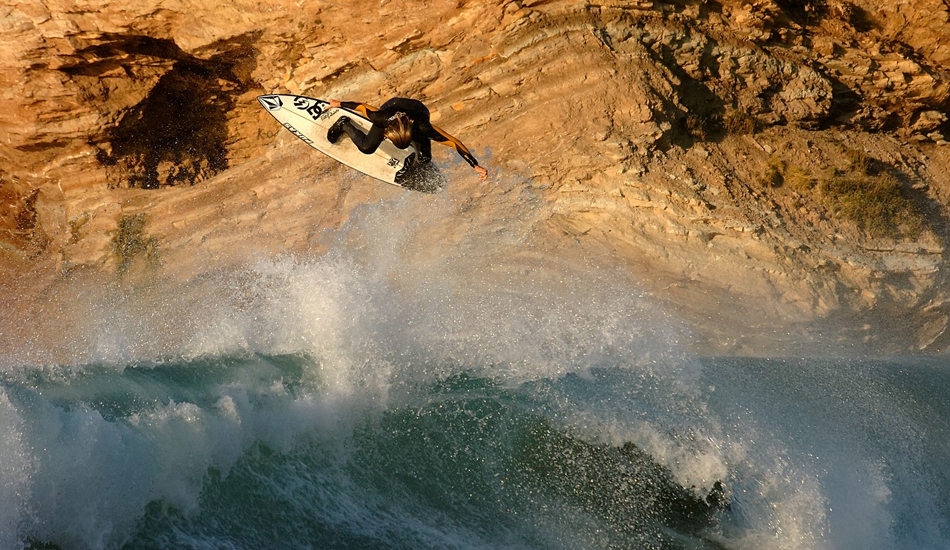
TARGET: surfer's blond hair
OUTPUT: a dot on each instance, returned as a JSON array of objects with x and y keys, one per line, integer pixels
[{"x": 399, "y": 130}]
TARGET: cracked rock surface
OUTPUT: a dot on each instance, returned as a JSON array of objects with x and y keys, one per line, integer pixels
[{"x": 687, "y": 140}]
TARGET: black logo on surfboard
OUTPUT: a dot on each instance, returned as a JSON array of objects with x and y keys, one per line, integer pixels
[
  {"x": 310, "y": 106},
  {"x": 271, "y": 102}
]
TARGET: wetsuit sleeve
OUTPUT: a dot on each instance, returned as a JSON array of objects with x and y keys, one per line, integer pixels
[{"x": 443, "y": 137}]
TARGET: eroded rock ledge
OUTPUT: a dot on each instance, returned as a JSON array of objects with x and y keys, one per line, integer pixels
[{"x": 689, "y": 138}]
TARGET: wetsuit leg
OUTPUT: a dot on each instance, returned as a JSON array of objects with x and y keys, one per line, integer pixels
[
  {"x": 367, "y": 143},
  {"x": 424, "y": 149}
]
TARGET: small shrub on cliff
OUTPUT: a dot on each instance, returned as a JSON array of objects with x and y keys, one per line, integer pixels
[
  {"x": 780, "y": 173},
  {"x": 129, "y": 241},
  {"x": 858, "y": 161},
  {"x": 875, "y": 203},
  {"x": 774, "y": 175},
  {"x": 740, "y": 122},
  {"x": 75, "y": 227},
  {"x": 703, "y": 128},
  {"x": 798, "y": 179}
]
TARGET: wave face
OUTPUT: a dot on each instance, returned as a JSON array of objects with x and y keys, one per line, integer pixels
[{"x": 398, "y": 392}]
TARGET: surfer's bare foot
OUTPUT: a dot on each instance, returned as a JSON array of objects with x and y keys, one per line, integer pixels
[{"x": 335, "y": 131}]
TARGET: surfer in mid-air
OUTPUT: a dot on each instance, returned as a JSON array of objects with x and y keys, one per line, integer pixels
[{"x": 401, "y": 120}]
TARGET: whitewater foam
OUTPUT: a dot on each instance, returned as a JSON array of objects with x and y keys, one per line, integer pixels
[{"x": 15, "y": 475}]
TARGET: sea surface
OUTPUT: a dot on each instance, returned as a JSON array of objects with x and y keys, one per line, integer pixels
[{"x": 392, "y": 391}]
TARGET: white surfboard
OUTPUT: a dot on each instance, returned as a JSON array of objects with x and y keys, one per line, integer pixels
[{"x": 309, "y": 119}]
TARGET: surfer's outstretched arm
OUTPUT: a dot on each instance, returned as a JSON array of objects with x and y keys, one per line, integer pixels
[{"x": 448, "y": 140}]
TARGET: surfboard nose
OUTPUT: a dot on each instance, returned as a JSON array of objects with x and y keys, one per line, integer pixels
[{"x": 270, "y": 102}]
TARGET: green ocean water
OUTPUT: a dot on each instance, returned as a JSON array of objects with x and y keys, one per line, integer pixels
[{"x": 248, "y": 452}]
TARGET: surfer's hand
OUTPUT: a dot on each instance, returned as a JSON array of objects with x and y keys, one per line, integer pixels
[
  {"x": 482, "y": 172},
  {"x": 334, "y": 104}
]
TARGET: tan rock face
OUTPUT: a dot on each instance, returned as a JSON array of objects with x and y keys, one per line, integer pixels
[{"x": 617, "y": 114}]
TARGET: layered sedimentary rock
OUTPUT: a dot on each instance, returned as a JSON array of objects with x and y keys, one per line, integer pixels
[{"x": 645, "y": 128}]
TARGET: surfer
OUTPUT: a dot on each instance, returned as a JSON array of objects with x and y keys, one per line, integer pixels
[{"x": 403, "y": 121}]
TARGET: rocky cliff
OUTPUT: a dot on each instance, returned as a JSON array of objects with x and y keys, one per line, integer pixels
[{"x": 774, "y": 171}]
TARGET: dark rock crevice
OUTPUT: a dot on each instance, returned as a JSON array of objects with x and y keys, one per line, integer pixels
[{"x": 178, "y": 134}]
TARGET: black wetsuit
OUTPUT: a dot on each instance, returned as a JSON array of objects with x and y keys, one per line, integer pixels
[{"x": 422, "y": 130}]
